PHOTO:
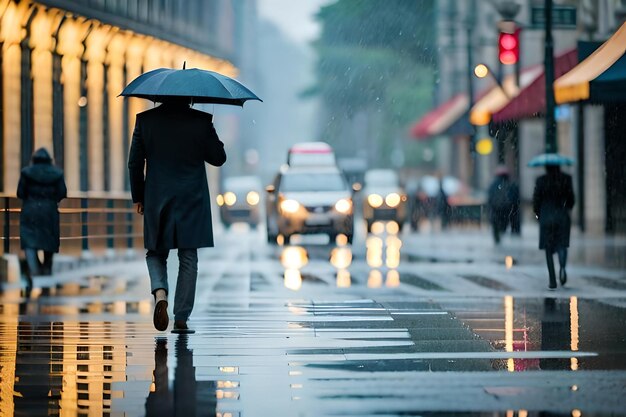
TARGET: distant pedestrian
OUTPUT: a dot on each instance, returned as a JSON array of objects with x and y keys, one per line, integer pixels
[
  {"x": 41, "y": 188},
  {"x": 173, "y": 142},
  {"x": 443, "y": 206},
  {"x": 503, "y": 203},
  {"x": 553, "y": 199}
]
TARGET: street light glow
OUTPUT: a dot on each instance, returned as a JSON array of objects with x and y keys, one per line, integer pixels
[{"x": 481, "y": 70}]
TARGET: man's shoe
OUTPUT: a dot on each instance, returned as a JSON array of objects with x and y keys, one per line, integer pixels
[
  {"x": 562, "y": 276},
  {"x": 160, "y": 319},
  {"x": 180, "y": 327}
]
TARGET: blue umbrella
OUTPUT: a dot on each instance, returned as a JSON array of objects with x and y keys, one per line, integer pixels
[
  {"x": 195, "y": 85},
  {"x": 550, "y": 159}
]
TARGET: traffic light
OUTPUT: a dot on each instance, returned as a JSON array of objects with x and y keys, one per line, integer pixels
[{"x": 508, "y": 47}]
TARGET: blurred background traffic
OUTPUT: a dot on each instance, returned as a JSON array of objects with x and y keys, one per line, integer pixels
[{"x": 401, "y": 112}]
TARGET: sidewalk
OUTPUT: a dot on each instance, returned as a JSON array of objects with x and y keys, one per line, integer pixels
[{"x": 473, "y": 245}]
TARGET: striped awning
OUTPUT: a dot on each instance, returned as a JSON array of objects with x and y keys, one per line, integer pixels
[{"x": 440, "y": 119}]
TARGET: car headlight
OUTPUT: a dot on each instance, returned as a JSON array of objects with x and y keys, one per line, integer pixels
[
  {"x": 230, "y": 198},
  {"x": 392, "y": 199},
  {"x": 220, "y": 200},
  {"x": 343, "y": 206},
  {"x": 375, "y": 200},
  {"x": 289, "y": 206},
  {"x": 253, "y": 198}
]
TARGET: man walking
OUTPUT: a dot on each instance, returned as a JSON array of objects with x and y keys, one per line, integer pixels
[
  {"x": 553, "y": 198},
  {"x": 173, "y": 142}
]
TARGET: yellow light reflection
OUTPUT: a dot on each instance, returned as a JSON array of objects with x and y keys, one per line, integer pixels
[
  {"x": 393, "y": 251},
  {"x": 227, "y": 384},
  {"x": 343, "y": 279},
  {"x": 481, "y": 70},
  {"x": 393, "y": 278},
  {"x": 508, "y": 262},
  {"x": 293, "y": 279},
  {"x": 341, "y": 240},
  {"x": 220, "y": 200},
  {"x": 392, "y": 228},
  {"x": 341, "y": 258},
  {"x": 573, "y": 313},
  {"x": 375, "y": 279},
  {"x": 280, "y": 240},
  {"x": 374, "y": 255},
  {"x": 294, "y": 257},
  {"x": 508, "y": 330},
  {"x": 576, "y": 413},
  {"x": 229, "y": 369},
  {"x": 378, "y": 228},
  {"x": 522, "y": 413}
]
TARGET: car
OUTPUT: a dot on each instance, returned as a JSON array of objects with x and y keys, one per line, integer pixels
[
  {"x": 240, "y": 200},
  {"x": 306, "y": 200},
  {"x": 383, "y": 198}
]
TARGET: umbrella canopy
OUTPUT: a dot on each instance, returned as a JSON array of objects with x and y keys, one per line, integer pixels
[
  {"x": 196, "y": 85},
  {"x": 550, "y": 159}
]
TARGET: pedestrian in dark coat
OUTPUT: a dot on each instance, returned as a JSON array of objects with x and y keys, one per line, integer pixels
[
  {"x": 553, "y": 199},
  {"x": 502, "y": 202},
  {"x": 173, "y": 142},
  {"x": 41, "y": 188}
]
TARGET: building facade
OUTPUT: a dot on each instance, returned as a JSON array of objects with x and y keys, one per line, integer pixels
[{"x": 64, "y": 62}]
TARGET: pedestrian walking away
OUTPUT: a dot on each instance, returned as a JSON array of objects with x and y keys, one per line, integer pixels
[
  {"x": 503, "y": 203},
  {"x": 41, "y": 187},
  {"x": 553, "y": 198},
  {"x": 173, "y": 142}
]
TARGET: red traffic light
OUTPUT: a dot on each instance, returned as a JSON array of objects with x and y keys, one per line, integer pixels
[{"x": 508, "y": 47}]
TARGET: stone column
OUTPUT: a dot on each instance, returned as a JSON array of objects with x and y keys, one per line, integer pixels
[
  {"x": 95, "y": 53},
  {"x": 71, "y": 48},
  {"x": 134, "y": 65},
  {"x": 41, "y": 43},
  {"x": 115, "y": 60},
  {"x": 11, "y": 34}
]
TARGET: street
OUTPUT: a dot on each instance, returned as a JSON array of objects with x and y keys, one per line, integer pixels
[{"x": 429, "y": 323}]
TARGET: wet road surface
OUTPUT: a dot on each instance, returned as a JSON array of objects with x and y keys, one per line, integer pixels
[{"x": 317, "y": 329}]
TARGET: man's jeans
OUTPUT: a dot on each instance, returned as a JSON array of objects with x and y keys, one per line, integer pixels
[{"x": 185, "y": 284}]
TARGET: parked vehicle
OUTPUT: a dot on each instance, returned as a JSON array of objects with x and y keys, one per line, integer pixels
[
  {"x": 383, "y": 197},
  {"x": 240, "y": 200},
  {"x": 306, "y": 200}
]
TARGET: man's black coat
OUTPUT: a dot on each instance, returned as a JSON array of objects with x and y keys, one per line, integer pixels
[
  {"x": 553, "y": 199},
  {"x": 173, "y": 142}
]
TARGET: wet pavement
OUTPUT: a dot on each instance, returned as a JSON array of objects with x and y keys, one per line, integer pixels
[{"x": 394, "y": 325}]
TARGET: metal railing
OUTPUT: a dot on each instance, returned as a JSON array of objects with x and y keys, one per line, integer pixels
[{"x": 92, "y": 222}]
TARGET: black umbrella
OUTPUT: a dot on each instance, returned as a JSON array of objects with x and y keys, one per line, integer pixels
[{"x": 195, "y": 85}]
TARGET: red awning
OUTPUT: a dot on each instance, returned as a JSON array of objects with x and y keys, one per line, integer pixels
[
  {"x": 531, "y": 101},
  {"x": 441, "y": 118}
]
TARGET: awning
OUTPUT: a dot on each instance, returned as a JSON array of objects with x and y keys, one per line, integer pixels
[
  {"x": 600, "y": 77},
  {"x": 443, "y": 117},
  {"x": 531, "y": 101},
  {"x": 496, "y": 98}
]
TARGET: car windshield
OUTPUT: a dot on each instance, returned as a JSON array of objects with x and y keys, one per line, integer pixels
[
  {"x": 381, "y": 178},
  {"x": 312, "y": 181}
]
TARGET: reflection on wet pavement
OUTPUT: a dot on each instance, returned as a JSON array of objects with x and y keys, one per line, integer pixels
[{"x": 316, "y": 330}]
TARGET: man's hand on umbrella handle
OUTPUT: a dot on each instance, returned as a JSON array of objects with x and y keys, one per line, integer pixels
[{"x": 140, "y": 208}]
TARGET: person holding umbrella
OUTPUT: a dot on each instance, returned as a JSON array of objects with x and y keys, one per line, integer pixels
[
  {"x": 553, "y": 198},
  {"x": 172, "y": 143}
]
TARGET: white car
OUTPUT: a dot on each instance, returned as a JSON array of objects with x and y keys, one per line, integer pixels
[
  {"x": 383, "y": 198},
  {"x": 240, "y": 200},
  {"x": 309, "y": 200}
]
